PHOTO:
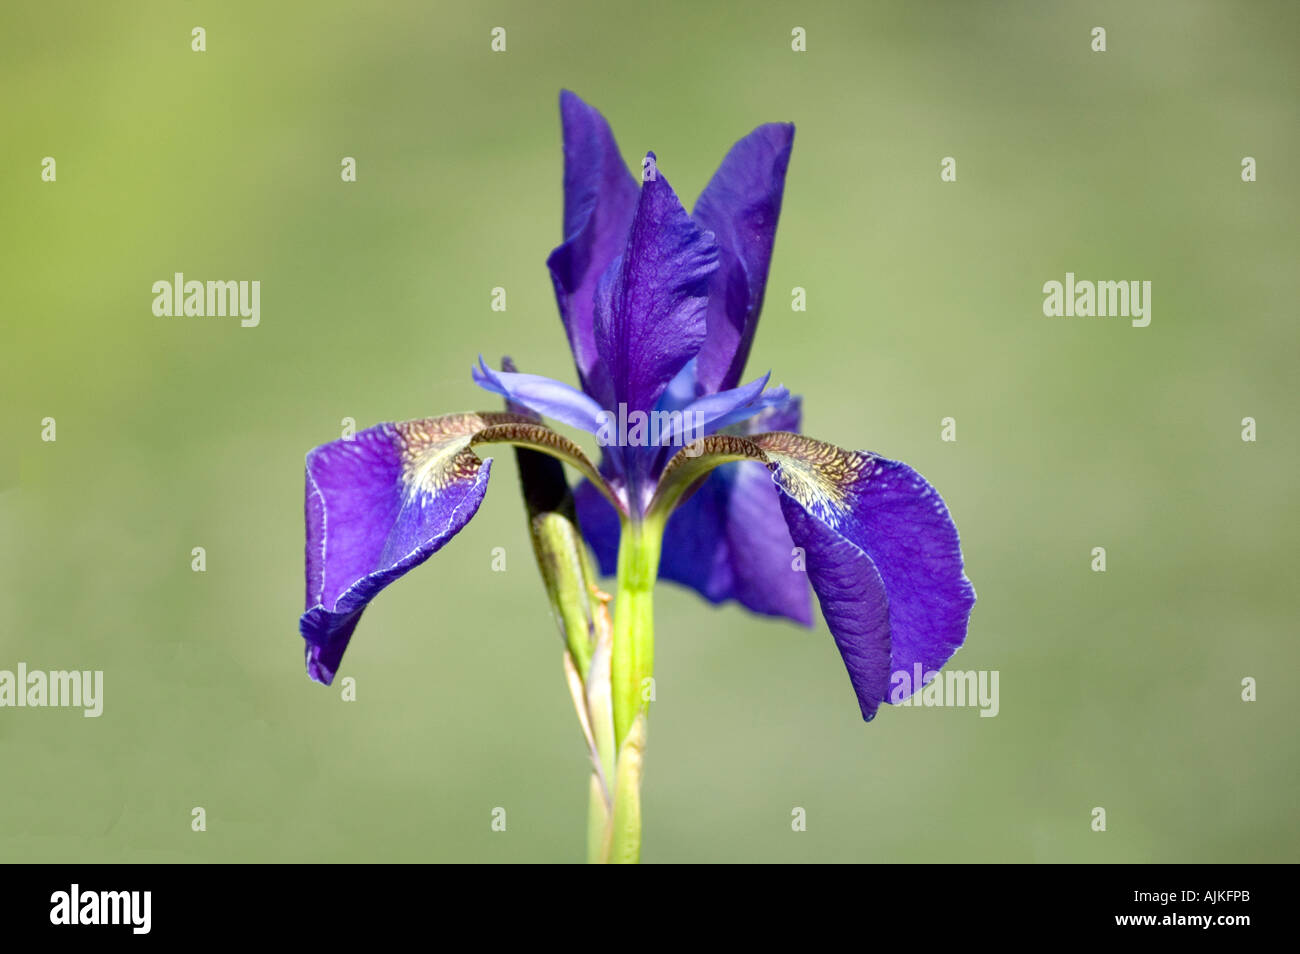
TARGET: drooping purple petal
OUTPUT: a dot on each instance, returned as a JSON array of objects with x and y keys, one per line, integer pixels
[
  {"x": 741, "y": 206},
  {"x": 906, "y": 529},
  {"x": 650, "y": 303},
  {"x": 542, "y": 395},
  {"x": 600, "y": 196},
  {"x": 890, "y": 513},
  {"x": 377, "y": 506},
  {"x": 853, "y": 600}
]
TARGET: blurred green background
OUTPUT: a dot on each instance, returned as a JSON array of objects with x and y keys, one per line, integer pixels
[{"x": 1118, "y": 689}]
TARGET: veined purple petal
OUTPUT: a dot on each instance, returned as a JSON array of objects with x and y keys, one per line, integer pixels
[
  {"x": 741, "y": 206},
  {"x": 600, "y": 196},
  {"x": 650, "y": 303},
  {"x": 853, "y": 599},
  {"x": 542, "y": 395},
  {"x": 377, "y": 506},
  {"x": 907, "y": 530},
  {"x": 890, "y": 513}
]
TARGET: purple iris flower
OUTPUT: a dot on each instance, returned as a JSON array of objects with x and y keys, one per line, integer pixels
[{"x": 660, "y": 307}]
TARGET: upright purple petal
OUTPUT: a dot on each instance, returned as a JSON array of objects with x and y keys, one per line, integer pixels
[
  {"x": 377, "y": 506},
  {"x": 650, "y": 304},
  {"x": 741, "y": 206},
  {"x": 600, "y": 196}
]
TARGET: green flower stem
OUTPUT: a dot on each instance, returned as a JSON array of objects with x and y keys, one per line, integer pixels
[
  {"x": 609, "y": 665},
  {"x": 631, "y": 672},
  {"x": 632, "y": 665},
  {"x": 581, "y": 609}
]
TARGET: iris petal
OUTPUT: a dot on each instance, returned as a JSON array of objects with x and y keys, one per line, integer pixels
[
  {"x": 891, "y": 513},
  {"x": 378, "y": 505},
  {"x": 681, "y": 390},
  {"x": 728, "y": 408},
  {"x": 381, "y": 503},
  {"x": 741, "y": 206},
  {"x": 713, "y": 412},
  {"x": 775, "y": 416},
  {"x": 650, "y": 303},
  {"x": 853, "y": 600},
  {"x": 600, "y": 525},
  {"x": 543, "y": 395},
  {"x": 877, "y": 540},
  {"x": 729, "y": 541},
  {"x": 600, "y": 196}
]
